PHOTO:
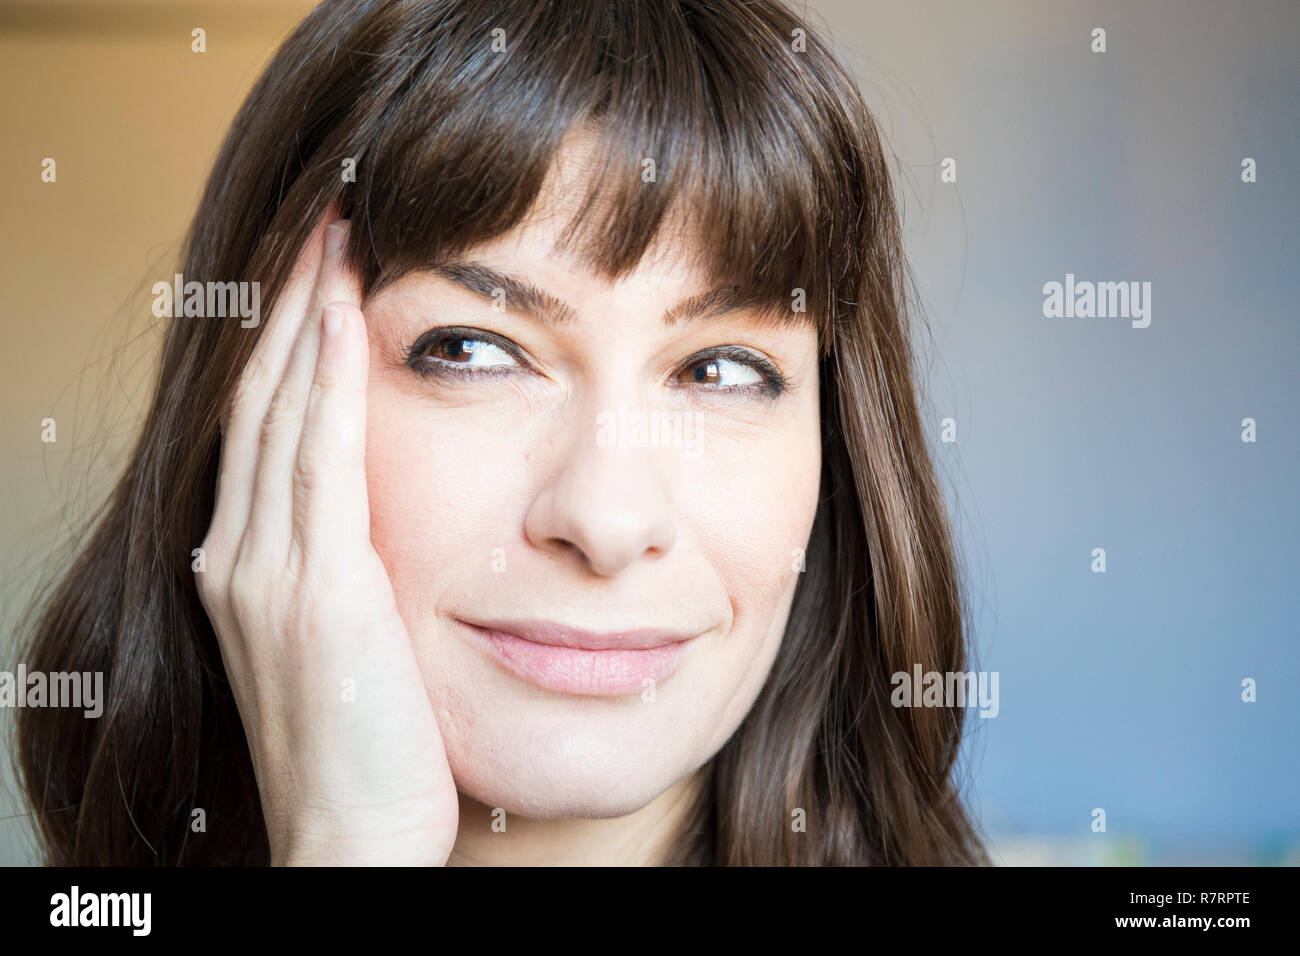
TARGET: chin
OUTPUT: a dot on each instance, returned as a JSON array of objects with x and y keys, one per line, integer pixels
[
  {"x": 607, "y": 780},
  {"x": 545, "y": 756}
]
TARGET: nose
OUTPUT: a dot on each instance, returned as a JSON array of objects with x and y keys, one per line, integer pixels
[{"x": 606, "y": 504}]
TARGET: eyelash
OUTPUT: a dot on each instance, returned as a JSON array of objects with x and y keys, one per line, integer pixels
[{"x": 420, "y": 361}]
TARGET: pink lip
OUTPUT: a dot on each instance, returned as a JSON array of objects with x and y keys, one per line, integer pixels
[{"x": 573, "y": 661}]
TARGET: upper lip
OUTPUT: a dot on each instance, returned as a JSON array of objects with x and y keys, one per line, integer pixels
[{"x": 561, "y": 635}]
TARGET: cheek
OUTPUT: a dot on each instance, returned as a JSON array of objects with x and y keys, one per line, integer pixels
[
  {"x": 750, "y": 498},
  {"x": 442, "y": 494}
]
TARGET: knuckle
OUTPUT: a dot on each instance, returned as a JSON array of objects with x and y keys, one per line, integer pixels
[
  {"x": 313, "y": 619},
  {"x": 209, "y": 591},
  {"x": 281, "y": 415},
  {"x": 249, "y": 390},
  {"x": 208, "y": 578},
  {"x": 327, "y": 378},
  {"x": 247, "y": 591},
  {"x": 307, "y": 468}
]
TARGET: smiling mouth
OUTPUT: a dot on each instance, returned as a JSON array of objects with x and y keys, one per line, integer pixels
[{"x": 574, "y": 661}]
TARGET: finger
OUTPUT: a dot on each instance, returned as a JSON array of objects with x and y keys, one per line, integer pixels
[
  {"x": 271, "y": 510},
  {"x": 332, "y": 284},
  {"x": 331, "y": 506},
  {"x": 257, "y": 382}
]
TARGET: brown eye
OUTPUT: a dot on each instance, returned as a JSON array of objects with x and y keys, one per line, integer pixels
[
  {"x": 720, "y": 373},
  {"x": 457, "y": 350},
  {"x": 461, "y": 350}
]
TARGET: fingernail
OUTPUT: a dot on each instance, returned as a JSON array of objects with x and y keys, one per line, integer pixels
[
  {"x": 334, "y": 234},
  {"x": 332, "y": 320}
]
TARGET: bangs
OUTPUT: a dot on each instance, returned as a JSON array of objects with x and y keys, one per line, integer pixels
[{"x": 702, "y": 116}]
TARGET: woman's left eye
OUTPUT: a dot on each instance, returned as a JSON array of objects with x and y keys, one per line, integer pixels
[
  {"x": 732, "y": 368},
  {"x": 719, "y": 372}
]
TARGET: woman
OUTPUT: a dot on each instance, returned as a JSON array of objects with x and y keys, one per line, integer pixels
[{"x": 571, "y": 503}]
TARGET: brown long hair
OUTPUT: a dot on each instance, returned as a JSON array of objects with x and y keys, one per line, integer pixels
[{"x": 753, "y": 127}]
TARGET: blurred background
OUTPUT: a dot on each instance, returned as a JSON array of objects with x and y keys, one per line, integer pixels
[{"x": 1120, "y": 690}]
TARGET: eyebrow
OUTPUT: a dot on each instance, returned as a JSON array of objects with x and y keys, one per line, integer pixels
[{"x": 523, "y": 296}]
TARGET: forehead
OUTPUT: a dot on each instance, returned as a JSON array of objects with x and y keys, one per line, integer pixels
[
  {"x": 546, "y": 244},
  {"x": 531, "y": 251}
]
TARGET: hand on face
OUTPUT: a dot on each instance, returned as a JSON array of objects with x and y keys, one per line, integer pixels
[{"x": 345, "y": 747}]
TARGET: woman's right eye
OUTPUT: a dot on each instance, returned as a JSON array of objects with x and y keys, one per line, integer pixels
[{"x": 460, "y": 351}]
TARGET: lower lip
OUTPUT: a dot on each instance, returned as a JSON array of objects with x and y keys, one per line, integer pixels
[{"x": 571, "y": 670}]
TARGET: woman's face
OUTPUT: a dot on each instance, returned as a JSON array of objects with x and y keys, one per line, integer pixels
[{"x": 591, "y": 507}]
